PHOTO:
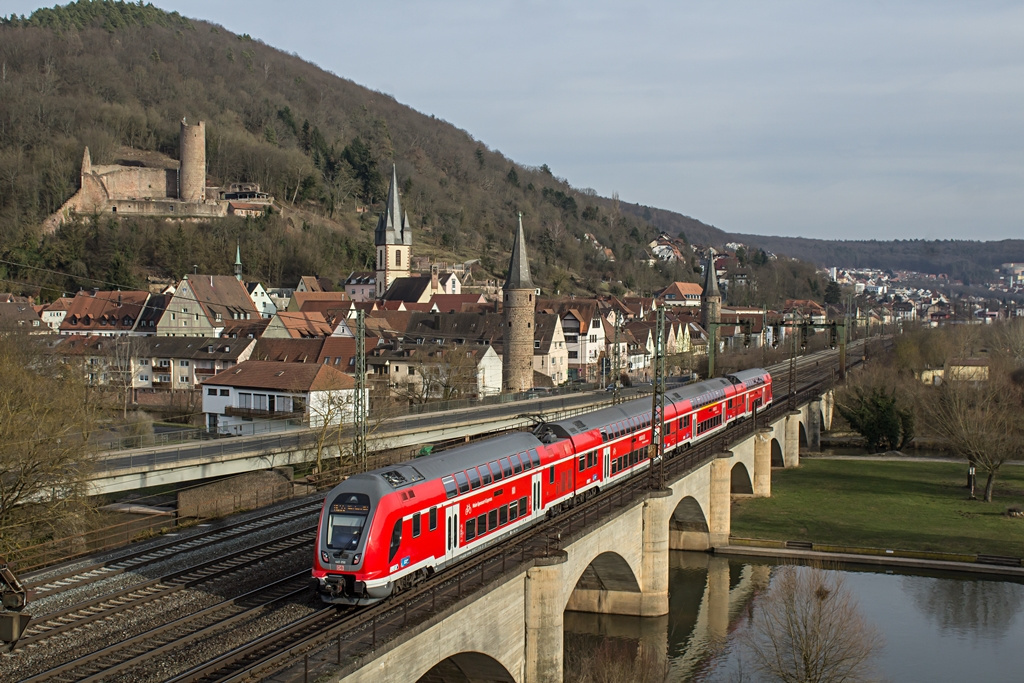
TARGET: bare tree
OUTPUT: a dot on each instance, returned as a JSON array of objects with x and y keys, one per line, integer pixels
[
  {"x": 125, "y": 368},
  {"x": 807, "y": 629},
  {"x": 981, "y": 420},
  {"x": 327, "y": 418},
  {"x": 443, "y": 374},
  {"x": 45, "y": 457}
]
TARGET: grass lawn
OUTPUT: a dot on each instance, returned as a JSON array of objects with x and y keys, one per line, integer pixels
[{"x": 905, "y": 505}]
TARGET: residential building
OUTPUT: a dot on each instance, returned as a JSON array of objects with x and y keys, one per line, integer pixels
[{"x": 256, "y": 395}]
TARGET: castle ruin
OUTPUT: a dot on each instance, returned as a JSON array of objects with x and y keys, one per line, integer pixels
[{"x": 146, "y": 190}]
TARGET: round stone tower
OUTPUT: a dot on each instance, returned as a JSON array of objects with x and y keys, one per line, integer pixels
[
  {"x": 192, "y": 171},
  {"x": 519, "y": 307}
]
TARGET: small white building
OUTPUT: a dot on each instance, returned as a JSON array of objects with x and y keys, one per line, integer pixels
[{"x": 257, "y": 396}]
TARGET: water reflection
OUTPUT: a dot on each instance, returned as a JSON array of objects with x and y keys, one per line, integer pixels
[
  {"x": 984, "y": 609},
  {"x": 935, "y": 627}
]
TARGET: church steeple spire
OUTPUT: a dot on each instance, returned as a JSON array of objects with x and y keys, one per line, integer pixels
[
  {"x": 392, "y": 240},
  {"x": 238, "y": 261},
  {"x": 519, "y": 265},
  {"x": 392, "y": 226}
]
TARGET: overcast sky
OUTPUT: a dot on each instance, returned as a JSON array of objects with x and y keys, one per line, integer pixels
[{"x": 864, "y": 119}]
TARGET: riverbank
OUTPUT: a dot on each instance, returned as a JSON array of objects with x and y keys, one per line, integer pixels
[{"x": 906, "y": 504}]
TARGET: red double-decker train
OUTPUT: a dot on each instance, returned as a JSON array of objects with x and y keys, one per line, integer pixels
[{"x": 388, "y": 529}]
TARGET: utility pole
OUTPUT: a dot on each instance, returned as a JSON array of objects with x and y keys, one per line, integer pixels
[
  {"x": 617, "y": 364},
  {"x": 361, "y": 408},
  {"x": 657, "y": 448}
]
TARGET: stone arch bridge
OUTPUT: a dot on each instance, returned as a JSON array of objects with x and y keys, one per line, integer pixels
[{"x": 513, "y": 631}]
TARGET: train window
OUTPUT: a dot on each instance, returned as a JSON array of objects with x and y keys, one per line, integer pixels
[
  {"x": 396, "y": 540},
  {"x": 686, "y": 422},
  {"x": 463, "y": 482},
  {"x": 513, "y": 510},
  {"x": 474, "y": 478},
  {"x": 450, "y": 488},
  {"x": 495, "y": 470},
  {"x": 551, "y": 474},
  {"x": 534, "y": 458},
  {"x": 517, "y": 464},
  {"x": 433, "y": 518},
  {"x": 492, "y": 519},
  {"x": 522, "y": 506},
  {"x": 583, "y": 462},
  {"x": 485, "y": 474},
  {"x": 416, "y": 525},
  {"x": 471, "y": 530},
  {"x": 481, "y": 524},
  {"x": 506, "y": 467},
  {"x": 604, "y": 436},
  {"x": 615, "y": 465},
  {"x": 346, "y": 519},
  {"x": 503, "y": 515}
]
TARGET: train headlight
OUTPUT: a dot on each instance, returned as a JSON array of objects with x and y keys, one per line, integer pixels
[
  {"x": 325, "y": 557},
  {"x": 356, "y": 558}
]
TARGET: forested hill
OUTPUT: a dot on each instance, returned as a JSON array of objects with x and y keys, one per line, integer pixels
[{"x": 120, "y": 77}]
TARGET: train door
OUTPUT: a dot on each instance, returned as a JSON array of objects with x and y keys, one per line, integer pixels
[
  {"x": 606, "y": 458},
  {"x": 536, "y": 502},
  {"x": 451, "y": 514}
]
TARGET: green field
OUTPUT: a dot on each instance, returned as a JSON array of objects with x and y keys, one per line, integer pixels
[{"x": 903, "y": 505}]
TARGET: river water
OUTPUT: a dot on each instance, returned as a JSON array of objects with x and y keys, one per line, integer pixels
[{"x": 932, "y": 627}]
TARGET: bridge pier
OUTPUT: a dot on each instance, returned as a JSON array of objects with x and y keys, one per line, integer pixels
[
  {"x": 813, "y": 426},
  {"x": 543, "y": 616},
  {"x": 720, "y": 507},
  {"x": 763, "y": 462},
  {"x": 654, "y": 582},
  {"x": 791, "y": 449}
]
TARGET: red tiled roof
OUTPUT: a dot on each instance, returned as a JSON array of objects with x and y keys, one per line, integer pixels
[{"x": 259, "y": 374}]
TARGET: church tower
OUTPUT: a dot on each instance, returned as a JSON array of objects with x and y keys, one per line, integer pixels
[
  {"x": 238, "y": 261},
  {"x": 711, "y": 302},
  {"x": 393, "y": 240},
  {"x": 519, "y": 306}
]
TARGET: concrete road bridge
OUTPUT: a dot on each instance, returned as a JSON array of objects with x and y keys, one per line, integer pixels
[
  {"x": 512, "y": 628},
  {"x": 158, "y": 466}
]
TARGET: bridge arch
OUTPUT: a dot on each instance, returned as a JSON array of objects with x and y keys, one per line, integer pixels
[
  {"x": 688, "y": 526},
  {"x": 467, "y": 667},
  {"x": 741, "y": 481},
  {"x": 608, "y": 571},
  {"x": 778, "y": 460}
]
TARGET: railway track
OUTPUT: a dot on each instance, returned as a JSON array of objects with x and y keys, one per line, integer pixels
[
  {"x": 105, "y": 607},
  {"x": 42, "y": 582},
  {"x": 176, "y": 635}
]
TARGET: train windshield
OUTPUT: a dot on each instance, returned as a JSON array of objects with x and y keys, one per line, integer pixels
[{"x": 346, "y": 519}]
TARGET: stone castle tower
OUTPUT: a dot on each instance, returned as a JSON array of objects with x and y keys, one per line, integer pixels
[
  {"x": 711, "y": 301},
  {"x": 519, "y": 307},
  {"x": 393, "y": 240},
  {"x": 192, "y": 171}
]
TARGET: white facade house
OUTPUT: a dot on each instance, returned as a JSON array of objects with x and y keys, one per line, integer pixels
[
  {"x": 260, "y": 396},
  {"x": 261, "y": 299}
]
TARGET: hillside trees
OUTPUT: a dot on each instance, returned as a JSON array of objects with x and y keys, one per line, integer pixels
[{"x": 120, "y": 77}]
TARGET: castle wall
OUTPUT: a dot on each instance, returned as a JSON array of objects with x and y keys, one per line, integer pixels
[
  {"x": 130, "y": 182},
  {"x": 168, "y": 207}
]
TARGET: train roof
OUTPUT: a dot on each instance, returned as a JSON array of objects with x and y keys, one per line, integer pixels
[
  {"x": 636, "y": 407},
  {"x": 746, "y": 376},
  {"x": 437, "y": 465}
]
